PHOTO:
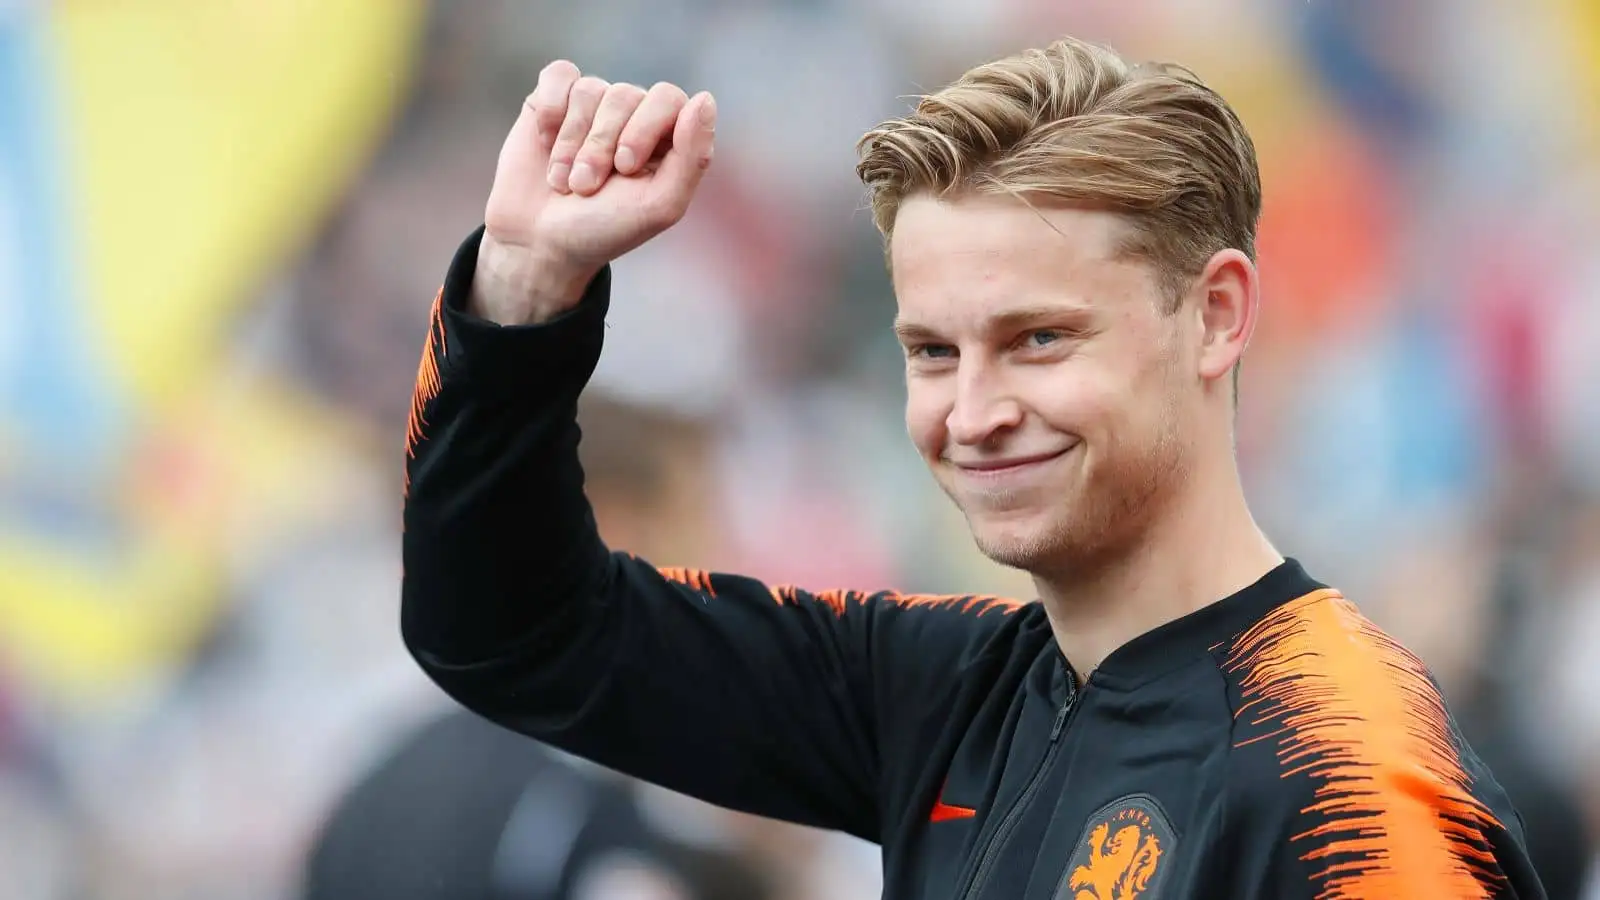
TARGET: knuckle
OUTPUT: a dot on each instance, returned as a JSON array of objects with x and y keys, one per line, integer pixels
[
  {"x": 668, "y": 89},
  {"x": 559, "y": 68},
  {"x": 625, "y": 90},
  {"x": 590, "y": 87}
]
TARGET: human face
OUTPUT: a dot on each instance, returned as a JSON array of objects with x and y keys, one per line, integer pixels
[{"x": 1046, "y": 381}]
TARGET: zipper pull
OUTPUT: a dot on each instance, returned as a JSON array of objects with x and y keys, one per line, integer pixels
[
  {"x": 1066, "y": 705},
  {"x": 1061, "y": 718}
]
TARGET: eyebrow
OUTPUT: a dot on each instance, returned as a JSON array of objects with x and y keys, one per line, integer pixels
[
  {"x": 913, "y": 333},
  {"x": 1069, "y": 316}
]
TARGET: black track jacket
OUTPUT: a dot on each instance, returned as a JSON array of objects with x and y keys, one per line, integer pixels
[{"x": 1272, "y": 746}]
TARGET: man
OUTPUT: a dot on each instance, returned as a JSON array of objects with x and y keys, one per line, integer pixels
[{"x": 1183, "y": 713}]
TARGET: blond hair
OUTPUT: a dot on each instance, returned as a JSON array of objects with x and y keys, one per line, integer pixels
[{"x": 1074, "y": 123}]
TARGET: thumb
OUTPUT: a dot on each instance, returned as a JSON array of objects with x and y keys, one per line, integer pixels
[
  {"x": 693, "y": 143},
  {"x": 520, "y": 169}
]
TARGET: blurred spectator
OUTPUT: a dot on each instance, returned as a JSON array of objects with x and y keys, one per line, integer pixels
[{"x": 464, "y": 809}]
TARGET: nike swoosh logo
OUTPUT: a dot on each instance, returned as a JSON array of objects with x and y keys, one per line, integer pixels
[{"x": 944, "y": 812}]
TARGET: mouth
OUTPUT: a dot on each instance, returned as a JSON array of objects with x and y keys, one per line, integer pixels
[{"x": 991, "y": 468}]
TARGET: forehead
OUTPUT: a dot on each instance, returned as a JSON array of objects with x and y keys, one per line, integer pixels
[{"x": 973, "y": 257}]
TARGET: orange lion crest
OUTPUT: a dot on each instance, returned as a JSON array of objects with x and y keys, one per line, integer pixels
[{"x": 1120, "y": 857}]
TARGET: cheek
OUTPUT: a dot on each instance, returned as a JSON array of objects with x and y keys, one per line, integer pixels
[
  {"x": 1074, "y": 399},
  {"x": 1124, "y": 398},
  {"x": 926, "y": 414}
]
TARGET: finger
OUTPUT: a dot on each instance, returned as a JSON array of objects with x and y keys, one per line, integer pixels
[
  {"x": 523, "y": 166},
  {"x": 693, "y": 142},
  {"x": 594, "y": 162},
  {"x": 548, "y": 102},
  {"x": 582, "y": 102},
  {"x": 651, "y": 125}
]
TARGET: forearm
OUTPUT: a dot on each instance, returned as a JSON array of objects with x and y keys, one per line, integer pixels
[{"x": 499, "y": 538}]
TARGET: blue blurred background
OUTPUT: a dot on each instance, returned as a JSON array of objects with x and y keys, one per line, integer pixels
[{"x": 222, "y": 221}]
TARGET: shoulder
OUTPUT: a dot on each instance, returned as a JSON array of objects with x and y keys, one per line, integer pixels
[
  {"x": 1324, "y": 700},
  {"x": 952, "y": 632},
  {"x": 1344, "y": 753},
  {"x": 928, "y": 615},
  {"x": 931, "y": 608}
]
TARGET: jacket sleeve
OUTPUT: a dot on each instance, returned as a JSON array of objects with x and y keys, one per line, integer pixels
[
  {"x": 1324, "y": 822},
  {"x": 767, "y": 699}
]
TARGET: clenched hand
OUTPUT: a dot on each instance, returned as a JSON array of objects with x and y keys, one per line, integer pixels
[{"x": 590, "y": 171}]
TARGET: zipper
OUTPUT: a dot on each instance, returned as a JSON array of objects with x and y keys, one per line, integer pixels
[{"x": 997, "y": 840}]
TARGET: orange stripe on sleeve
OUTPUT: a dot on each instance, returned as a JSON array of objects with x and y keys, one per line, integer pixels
[
  {"x": 839, "y": 600},
  {"x": 977, "y": 604},
  {"x": 428, "y": 380},
  {"x": 1393, "y": 814},
  {"x": 697, "y": 579}
]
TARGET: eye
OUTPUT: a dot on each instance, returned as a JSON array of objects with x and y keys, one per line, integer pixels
[
  {"x": 930, "y": 351},
  {"x": 1042, "y": 337}
]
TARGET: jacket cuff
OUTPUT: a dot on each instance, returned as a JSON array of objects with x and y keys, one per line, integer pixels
[{"x": 563, "y": 348}]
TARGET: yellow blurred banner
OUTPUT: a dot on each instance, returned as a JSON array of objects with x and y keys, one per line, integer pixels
[
  {"x": 235, "y": 473},
  {"x": 207, "y": 137},
  {"x": 201, "y": 144},
  {"x": 1583, "y": 34}
]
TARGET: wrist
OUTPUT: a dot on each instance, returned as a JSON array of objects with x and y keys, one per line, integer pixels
[{"x": 517, "y": 285}]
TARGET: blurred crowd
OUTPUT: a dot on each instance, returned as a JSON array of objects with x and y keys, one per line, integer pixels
[{"x": 1419, "y": 423}]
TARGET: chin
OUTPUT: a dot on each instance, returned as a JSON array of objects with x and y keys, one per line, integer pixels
[
  {"x": 1047, "y": 542},
  {"x": 1030, "y": 558},
  {"x": 1028, "y": 543}
]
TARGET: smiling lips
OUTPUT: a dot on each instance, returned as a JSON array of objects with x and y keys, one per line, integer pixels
[{"x": 1013, "y": 465}]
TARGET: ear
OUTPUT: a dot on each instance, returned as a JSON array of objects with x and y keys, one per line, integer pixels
[{"x": 1227, "y": 301}]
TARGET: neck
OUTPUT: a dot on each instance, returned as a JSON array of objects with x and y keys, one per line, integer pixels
[{"x": 1204, "y": 546}]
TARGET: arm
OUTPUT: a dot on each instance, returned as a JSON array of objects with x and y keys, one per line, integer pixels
[{"x": 771, "y": 700}]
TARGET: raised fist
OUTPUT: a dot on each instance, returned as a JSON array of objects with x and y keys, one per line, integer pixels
[{"x": 590, "y": 171}]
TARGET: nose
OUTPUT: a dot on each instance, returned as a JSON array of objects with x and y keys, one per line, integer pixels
[{"x": 983, "y": 408}]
